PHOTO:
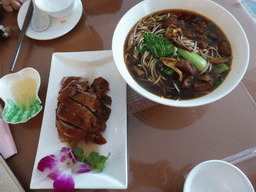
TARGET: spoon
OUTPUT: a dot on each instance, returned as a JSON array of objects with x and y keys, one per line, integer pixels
[
  {"x": 40, "y": 20},
  {"x": 220, "y": 175}
]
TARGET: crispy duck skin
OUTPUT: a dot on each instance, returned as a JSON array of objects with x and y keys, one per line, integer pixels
[
  {"x": 76, "y": 114},
  {"x": 104, "y": 111},
  {"x": 101, "y": 94},
  {"x": 95, "y": 137},
  {"x": 84, "y": 98},
  {"x": 100, "y": 83},
  {"x": 99, "y": 87},
  {"x": 81, "y": 112},
  {"x": 67, "y": 139},
  {"x": 74, "y": 135},
  {"x": 80, "y": 83},
  {"x": 70, "y": 129},
  {"x": 66, "y": 80}
]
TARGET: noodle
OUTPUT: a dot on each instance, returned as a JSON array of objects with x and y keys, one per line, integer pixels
[{"x": 169, "y": 86}]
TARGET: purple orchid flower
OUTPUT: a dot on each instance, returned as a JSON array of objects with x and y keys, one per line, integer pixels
[{"x": 60, "y": 169}]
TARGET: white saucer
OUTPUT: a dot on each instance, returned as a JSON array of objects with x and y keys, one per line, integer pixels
[{"x": 58, "y": 26}]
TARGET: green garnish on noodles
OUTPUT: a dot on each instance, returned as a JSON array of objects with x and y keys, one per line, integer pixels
[
  {"x": 161, "y": 47},
  {"x": 158, "y": 46}
]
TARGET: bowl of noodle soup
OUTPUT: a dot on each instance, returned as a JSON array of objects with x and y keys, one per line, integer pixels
[{"x": 180, "y": 53}]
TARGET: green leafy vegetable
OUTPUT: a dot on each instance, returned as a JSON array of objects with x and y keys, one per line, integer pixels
[
  {"x": 218, "y": 65},
  {"x": 224, "y": 74},
  {"x": 158, "y": 46},
  {"x": 199, "y": 62},
  {"x": 175, "y": 98},
  {"x": 211, "y": 27},
  {"x": 141, "y": 50},
  {"x": 79, "y": 153},
  {"x": 213, "y": 74},
  {"x": 95, "y": 160},
  {"x": 221, "y": 68},
  {"x": 219, "y": 82},
  {"x": 168, "y": 71},
  {"x": 161, "y": 47}
]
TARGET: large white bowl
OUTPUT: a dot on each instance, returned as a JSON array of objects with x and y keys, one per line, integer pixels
[
  {"x": 217, "y": 175},
  {"x": 225, "y": 20}
]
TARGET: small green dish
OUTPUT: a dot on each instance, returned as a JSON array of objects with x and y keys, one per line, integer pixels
[{"x": 19, "y": 91}]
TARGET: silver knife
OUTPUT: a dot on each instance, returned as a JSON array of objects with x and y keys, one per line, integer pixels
[{"x": 22, "y": 34}]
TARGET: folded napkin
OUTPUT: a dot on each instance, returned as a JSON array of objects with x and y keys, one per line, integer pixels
[
  {"x": 8, "y": 181},
  {"x": 7, "y": 145}
]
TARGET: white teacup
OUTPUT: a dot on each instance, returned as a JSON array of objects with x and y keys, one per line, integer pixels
[{"x": 56, "y": 8}]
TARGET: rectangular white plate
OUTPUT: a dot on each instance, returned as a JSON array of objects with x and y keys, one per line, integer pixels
[{"x": 90, "y": 65}]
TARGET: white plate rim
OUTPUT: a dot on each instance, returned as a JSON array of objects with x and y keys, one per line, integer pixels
[
  {"x": 48, "y": 140},
  {"x": 58, "y": 26}
]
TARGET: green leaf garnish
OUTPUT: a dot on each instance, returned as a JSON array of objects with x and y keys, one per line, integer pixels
[
  {"x": 175, "y": 98},
  {"x": 161, "y": 47},
  {"x": 79, "y": 153},
  {"x": 213, "y": 74},
  {"x": 224, "y": 74},
  {"x": 141, "y": 50},
  {"x": 211, "y": 27},
  {"x": 169, "y": 71},
  {"x": 158, "y": 46},
  {"x": 218, "y": 65},
  {"x": 97, "y": 161},
  {"x": 219, "y": 82}
]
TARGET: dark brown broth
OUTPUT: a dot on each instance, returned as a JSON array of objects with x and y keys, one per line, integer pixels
[{"x": 191, "y": 93}]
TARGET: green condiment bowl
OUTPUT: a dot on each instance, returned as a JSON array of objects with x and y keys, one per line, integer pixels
[{"x": 19, "y": 91}]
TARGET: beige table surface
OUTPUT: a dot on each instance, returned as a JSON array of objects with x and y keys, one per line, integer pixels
[{"x": 163, "y": 142}]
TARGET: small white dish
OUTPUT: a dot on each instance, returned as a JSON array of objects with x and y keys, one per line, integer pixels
[
  {"x": 217, "y": 175},
  {"x": 89, "y": 65},
  {"x": 19, "y": 91},
  {"x": 58, "y": 26},
  {"x": 56, "y": 8}
]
